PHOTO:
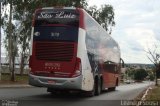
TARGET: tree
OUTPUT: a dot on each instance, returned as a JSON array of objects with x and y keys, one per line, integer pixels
[
  {"x": 151, "y": 75},
  {"x": 94, "y": 12},
  {"x": 10, "y": 38},
  {"x": 154, "y": 57},
  {"x": 24, "y": 18},
  {"x": 10, "y": 44},
  {"x": 107, "y": 17},
  {"x": 140, "y": 74},
  {"x": 130, "y": 73},
  {"x": 104, "y": 16}
]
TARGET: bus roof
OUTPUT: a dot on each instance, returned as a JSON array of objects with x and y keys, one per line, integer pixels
[{"x": 59, "y": 7}]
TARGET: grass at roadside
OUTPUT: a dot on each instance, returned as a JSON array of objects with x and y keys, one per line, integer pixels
[
  {"x": 5, "y": 79},
  {"x": 154, "y": 94}
]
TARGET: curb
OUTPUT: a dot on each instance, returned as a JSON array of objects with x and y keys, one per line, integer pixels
[{"x": 144, "y": 95}]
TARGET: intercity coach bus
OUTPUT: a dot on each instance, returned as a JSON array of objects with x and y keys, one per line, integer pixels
[{"x": 71, "y": 51}]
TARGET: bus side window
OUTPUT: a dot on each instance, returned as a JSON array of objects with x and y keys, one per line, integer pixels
[{"x": 110, "y": 67}]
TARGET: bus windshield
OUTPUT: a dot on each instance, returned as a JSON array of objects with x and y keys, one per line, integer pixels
[{"x": 56, "y": 24}]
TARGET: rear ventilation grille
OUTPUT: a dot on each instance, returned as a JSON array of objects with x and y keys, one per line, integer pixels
[{"x": 52, "y": 51}]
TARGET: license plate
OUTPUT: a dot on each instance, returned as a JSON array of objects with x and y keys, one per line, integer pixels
[{"x": 51, "y": 82}]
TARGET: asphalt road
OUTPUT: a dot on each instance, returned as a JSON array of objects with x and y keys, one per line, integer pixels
[{"x": 39, "y": 96}]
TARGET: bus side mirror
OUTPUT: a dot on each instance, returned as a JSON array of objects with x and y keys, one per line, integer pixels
[{"x": 122, "y": 63}]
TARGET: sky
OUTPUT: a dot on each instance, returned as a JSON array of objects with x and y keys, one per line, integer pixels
[{"x": 137, "y": 27}]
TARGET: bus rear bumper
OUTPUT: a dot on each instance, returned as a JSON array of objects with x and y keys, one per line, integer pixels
[{"x": 56, "y": 83}]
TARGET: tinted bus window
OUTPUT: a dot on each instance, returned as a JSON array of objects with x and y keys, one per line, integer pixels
[
  {"x": 57, "y": 25},
  {"x": 56, "y": 33}
]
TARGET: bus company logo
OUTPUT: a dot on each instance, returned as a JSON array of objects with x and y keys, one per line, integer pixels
[
  {"x": 53, "y": 65},
  {"x": 58, "y": 14},
  {"x": 63, "y": 15},
  {"x": 45, "y": 15}
]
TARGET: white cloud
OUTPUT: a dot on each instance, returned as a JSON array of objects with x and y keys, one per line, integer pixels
[
  {"x": 145, "y": 37},
  {"x": 137, "y": 26}
]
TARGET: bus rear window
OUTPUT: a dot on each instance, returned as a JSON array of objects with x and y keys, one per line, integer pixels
[
  {"x": 56, "y": 33},
  {"x": 50, "y": 17}
]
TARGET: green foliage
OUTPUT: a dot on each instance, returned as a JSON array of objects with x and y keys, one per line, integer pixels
[
  {"x": 94, "y": 12},
  {"x": 107, "y": 17},
  {"x": 151, "y": 74},
  {"x": 130, "y": 73},
  {"x": 6, "y": 27},
  {"x": 104, "y": 16},
  {"x": 151, "y": 77},
  {"x": 140, "y": 74}
]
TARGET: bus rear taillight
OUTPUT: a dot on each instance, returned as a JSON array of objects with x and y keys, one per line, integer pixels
[{"x": 78, "y": 68}]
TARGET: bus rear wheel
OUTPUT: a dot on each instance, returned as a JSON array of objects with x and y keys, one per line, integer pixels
[{"x": 96, "y": 89}]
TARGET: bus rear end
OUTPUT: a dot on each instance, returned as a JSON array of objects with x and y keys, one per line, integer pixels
[{"x": 53, "y": 61}]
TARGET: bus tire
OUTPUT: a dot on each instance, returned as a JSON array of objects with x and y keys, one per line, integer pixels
[{"x": 98, "y": 86}]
